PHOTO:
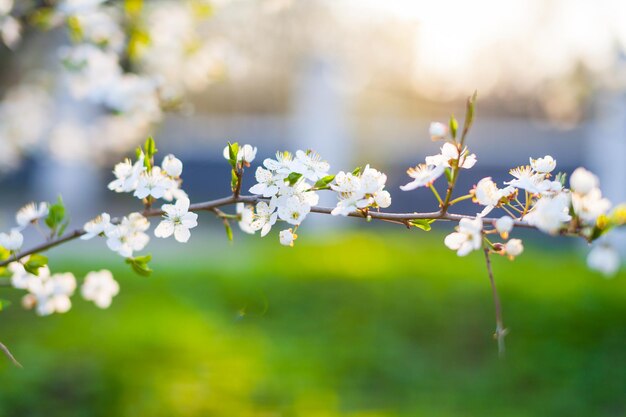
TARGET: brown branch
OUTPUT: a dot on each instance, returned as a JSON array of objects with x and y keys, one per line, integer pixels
[
  {"x": 400, "y": 218},
  {"x": 8, "y": 354},
  {"x": 500, "y": 330}
]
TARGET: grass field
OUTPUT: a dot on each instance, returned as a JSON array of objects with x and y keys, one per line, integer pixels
[{"x": 360, "y": 325}]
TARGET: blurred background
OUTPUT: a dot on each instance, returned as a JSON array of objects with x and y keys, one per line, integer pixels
[{"x": 253, "y": 329}]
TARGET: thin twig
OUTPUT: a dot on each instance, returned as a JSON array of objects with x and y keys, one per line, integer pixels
[
  {"x": 9, "y": 355},
  {"x": 500, "y": 330}
]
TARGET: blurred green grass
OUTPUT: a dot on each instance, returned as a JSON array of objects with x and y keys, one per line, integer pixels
[{"x": 352, "y": 325}]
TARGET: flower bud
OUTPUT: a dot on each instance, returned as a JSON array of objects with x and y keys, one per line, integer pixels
[{"x": 583, "y": 181}]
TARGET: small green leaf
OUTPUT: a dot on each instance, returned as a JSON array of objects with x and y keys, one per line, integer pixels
[
  {"x": 139, "y": 264},
  {"x": 561, "y": 177},
  {"x": 63, "y": 227},
  {"x": 470, "y": 111},
  {"x": 56, "y": 214},
  {"x": 4, "y": 253},
  {"x": 448, "y": 173},
  {"x": 324, "y": 181},
  {"x": 293, "y": 178},
  {"x": 454, "y": 126},
  {"x": 4, "y": 304},
  {"x": 423, "y": 224},
  {"x": 229, "y": 231},
  {"x": 35, "y": 262},
  {"x": 150, "y": 147},
  {"x": 138, "y": 152},
  {"x": 357, "y": 171},
  {"x": 233, "y": 151}
]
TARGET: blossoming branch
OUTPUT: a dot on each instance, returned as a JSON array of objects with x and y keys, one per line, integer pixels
[{"x": 287, "y": 191}]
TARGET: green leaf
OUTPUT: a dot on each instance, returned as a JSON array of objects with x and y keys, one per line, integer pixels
[
  {"x": 448, "y": 173},
  {"x": 561, "y": 177},
  {"x": 233, "y": 151},
  {"x": 138, "y": 152},
  {"x": 357, "y": 171},
  {"x": 4, "y": 304},
  {"x": 423, "y": 224},
  {"x": 469, "y": 112},
  {"x": 35, "y": 262},
  {"x": 63, "y": 227},
  {"x": 229, "y": 231},
  {"x": 150, "y": 147},
  {"x": 454, "y": 126},
  {"x": 324, "y": 181},
  {"x": 56, "y": 214},
  {"x": 4, "y": 253},
  {"x": 293, "y": 178},
  {"x": 139, "y": 264}
]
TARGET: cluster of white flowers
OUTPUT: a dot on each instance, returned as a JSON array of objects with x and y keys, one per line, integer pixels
[
  {"x": 158, "y": 182},
  {"x": 290, "y": 184},
  {"x": 50, "y": 293},
  {"x": 284, "y": 182},
  {"x": 451, "y": 156},
  {"x": 360, "y": 191}
]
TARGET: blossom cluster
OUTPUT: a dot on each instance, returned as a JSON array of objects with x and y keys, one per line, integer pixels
[
  {"x": 289, "y": 186},
  {"x": 534, "y": 196},
  {"x": 48, "y": 293},
  {"x": 51, "y": 293}
]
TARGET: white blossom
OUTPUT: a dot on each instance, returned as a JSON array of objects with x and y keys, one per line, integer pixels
[
  {"x": 52, "y": 295},
  {"x": 12, "y": 241},
  {"x": 588, "y": 207},
  {"x": 293, "y": 210},
  {"x": 128, "y": 236},
  {"x": 268, "y": 183},
  {"x": 605, "y": 259},
  {"x": 127, "y": 175},
  {"x": 550, "y": 214},
  {"x": 283, "y": 164},
  {"x": 437, "y": 130},
  {"x": 174, "y": 192},
  {"x": 264, "y": 218},
  {"x": 31, "y": 213},
  {"x": 449, "y": 155},
  {"x": 527, "y": 179},
  {"x": 543, "y": 165},
  {"x": 287, "y": 237},
  {"x": 488, "y": 194},
  {"x": 504, "y": 225},
  {"x": 423, "y": 176},
  {"x": 514, "y": 247},
  {"x": 177, "y": 221},
  {"x": 153, "y": 183},
  {"x": 583, "y": 181},
  {"x": 100, "y": 287},
  {"x": 172, "y": 166},
  {"x": 246, "y": 153},
  {"x": 467, "y": 238},
  {"x": 246, "y": 213},
  {"x": 97, "y": 226},
  {"x": 310, "y": 165}
]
